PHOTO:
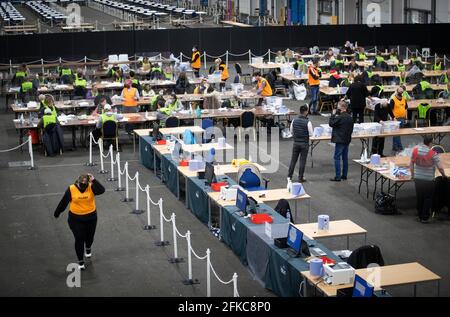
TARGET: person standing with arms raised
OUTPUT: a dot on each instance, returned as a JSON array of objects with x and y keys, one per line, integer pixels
[{"x": 82, "y": 213}]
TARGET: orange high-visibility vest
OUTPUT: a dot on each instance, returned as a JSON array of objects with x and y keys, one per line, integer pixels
[
  {"x": 128, "y": 95},
  {"x": 82, "y": 203},
  {"x": 311, "y": 80},
  {"x": 267, "y": 90},
  {"x": 224, "y": 72},
  {"x": 197, "y": 64},
  {"x": 399, "y": 110}
]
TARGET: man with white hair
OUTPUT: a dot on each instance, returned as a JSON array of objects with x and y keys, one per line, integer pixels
[
  {"x": 108, "y": 115},
  {"x": 48, "y": 118}
]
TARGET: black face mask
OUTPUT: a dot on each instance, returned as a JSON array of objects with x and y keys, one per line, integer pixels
[{"x": 83, "y": 187}]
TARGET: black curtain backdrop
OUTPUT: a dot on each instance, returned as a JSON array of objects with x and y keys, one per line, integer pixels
[{"x": 216, "y": 41}]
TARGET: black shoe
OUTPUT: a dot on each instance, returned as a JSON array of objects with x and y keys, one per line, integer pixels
[
  {"x": 335, "y": 179},
  {"x": 425, "y": 221},
  {"x": 302, "y": 180},
  {"x": 344, "y": 178}
]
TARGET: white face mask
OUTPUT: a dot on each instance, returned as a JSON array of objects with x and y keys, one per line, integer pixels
[
  {"x": 193, "y": 49},
  {"x": 254, "y": 80}
]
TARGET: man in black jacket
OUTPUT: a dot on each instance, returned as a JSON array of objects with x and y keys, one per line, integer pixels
[
  {"x": 382, "y": 112},
  {"x": 342, "y": 124},
  {"x": 357, "y": 93}
]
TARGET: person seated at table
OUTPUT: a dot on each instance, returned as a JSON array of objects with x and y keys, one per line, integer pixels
[
  {"x": 280, "y": 59},
  {"x": 368, "y": 75},
  {"x": 53, "y": 139},
  {"x": 201, "y": 88},
  {"x": 156, "y": 102},
  {"x": 157, "y": 72},
  {"x": 378, "y": 88},
  {"x": 27, "y": 91},
  {"x": 102, "y": 66},
  {"x": 99, "y": 109},
  {"x": 393, "y": 56},
  {"x": 172, "y": 105},
  {"x": 339, "y": 63},
  {"x": 66, "y": 75},
  {"x": 353, "y": 66},
  {"x": 335, "y": 78},
  {"x": 416, "y": 61},
  {"x": 423, "y": 90},
  {"x": 47, "y": 102},
  {"x": 146, "y": 65},
  {"x": 20, "y": 74},
  {"x": 347, "y": 81},
  {"x": 222, "y": 67},
  {"x": 438, "y": 64},
  {"x": 380, "y": 62},
  {"x": 401, "y": 79},
  {"x": 401, "y": 67},
  {"x": 93, "y": 92},
  {"x": 329, "y": 56},
  {"x": 39, "y": 81},
  {"x": 79, "y": 86},
  {"x": 147, "y": 91},
  {"x": 382, "y": 112},
  {"x": 361, "y": 54},
  {"x": 107, "y": 115},
  {"x": 300, "y": 63},
  {"x": 182, "y": 84},
  {"x": 348, "y": 48},
  {"x": 115, "y": 73},
  {"x": 134, "y": 81},
  {"x": 263, "y": 88}
]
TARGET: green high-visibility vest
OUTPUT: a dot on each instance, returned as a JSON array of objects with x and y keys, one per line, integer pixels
[
  {"x": 80, "y": 83},
  {"x": 401, "y": 68},
  {"x": 424, "y": 85},
  {"x": 20, "y": 74},
  {"x": 392, "y": 57},
  {"x": 437, "y": 66},
  {"x": 362, "y": 56},
  {"x": 370, "y": 74},
  {"x": 445, "y": 79},
  {"x": 338, "y": 62},
  {"x": 422, "y": 110},
  {"x": 156, "y": 69},
  {"x": 406, "y": 95},
  {"x": 53, "y": 110},
  {"x": 135, "y": 81},
  {"x": 66, "y": 72},
  {"x": 379, "y": 59},
  {"x": 381, "y": 87},
  {"x": 27, "y": 85},
  {"x": 402, "y": 80},
  {"x": 300, "y": 62},
  {"x": 106, "y": 118},
  {"x": 47, "y": 119}
]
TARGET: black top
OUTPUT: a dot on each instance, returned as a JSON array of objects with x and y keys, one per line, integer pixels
[
  {"x": 99, "y": 97},
  {"x": 300, "y": 130},
  {"x": 342, "y": 124},
  {"x": 357, "y": 93},
  {"x": 97, "y": 189},
  {"x": 382, "y": 113}
]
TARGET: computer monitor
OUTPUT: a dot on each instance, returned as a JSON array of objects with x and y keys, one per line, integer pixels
[
  {"x": 361, "y": 288},
  {"x": 155, "y": 133},
  {"x": 177, "y": 151},
  {"x": 294, "y": 240},
  {"x": 241, "y": 201},
  {"x": 210, "y": 177}
]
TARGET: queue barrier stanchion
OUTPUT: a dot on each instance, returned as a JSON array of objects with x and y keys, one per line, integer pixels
[
  {"x": 204, "y": 60},
  {"x": 127, "y": 197},
  {"x": 208, "y": 272},
  {"x": 91, "y": 139},
  {"x": 175, "y": 258},
  {"x": 162, "y": 242},
  {"x": 269, "y": 54},
  {"x": 149, "y": 225},
  {"x": 208, "y": 276},
  {"x": 111, "y": 151},
  {"x": 119, "y": 175},
  {"x": 190, "y": 280},
  {"x": 136, "y": 210},
  {"x": 102, "y": 167},
  {"x": 30, "y": 150}
]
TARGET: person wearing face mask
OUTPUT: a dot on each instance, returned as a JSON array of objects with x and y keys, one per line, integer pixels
[
  {"x": 399, "y": 108},
  {"x": 82, "y": 214},
  {"x": 172, "y": 104},
  {"x": 195, "y": 61}
]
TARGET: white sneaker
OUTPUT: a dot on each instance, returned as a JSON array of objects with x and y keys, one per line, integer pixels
[
  {"x": 81, "y": 267},
  {"x": 88, "y": 254}
]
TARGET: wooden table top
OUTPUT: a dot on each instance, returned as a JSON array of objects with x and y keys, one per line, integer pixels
[{"x": 337, "y": 228}]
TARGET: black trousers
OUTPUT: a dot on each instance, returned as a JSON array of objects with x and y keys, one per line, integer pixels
[
  {"x": 358, "y": 115},
  {"x": 298, "y": 149},
  {"x": 83, "y": 229},
  {"x": 196, "y": 72},
  {"x": 378, "y": 146},
  {"x": 424, "y": 195}
]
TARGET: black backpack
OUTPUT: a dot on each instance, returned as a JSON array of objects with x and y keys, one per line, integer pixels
[
  {"x": 385, "y": 204},
  {"x": 283, "y": 208}
]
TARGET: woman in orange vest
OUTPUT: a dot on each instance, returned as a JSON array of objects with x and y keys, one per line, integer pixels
[
  {"x": 130, "y": 97},
  {"x": 314, "y": 74},
  {"x": 220, "y": 65},
  {"x": 195, "y": 61},
  {"x": 263, "y": 88},
  {"x": 82, "y": 214}
]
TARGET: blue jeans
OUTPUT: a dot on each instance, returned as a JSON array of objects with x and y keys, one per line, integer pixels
[
  {"x": 314, "y": 98},
  {"x": 341, "y": 151},
  {"x": 396, "y": 140}
]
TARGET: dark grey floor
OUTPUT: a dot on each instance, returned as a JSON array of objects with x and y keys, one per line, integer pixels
[{"x": 36, "y": 248}]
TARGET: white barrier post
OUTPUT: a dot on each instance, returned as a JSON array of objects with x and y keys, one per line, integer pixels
[
  {"x": 30, "y": 149},
  {"x": 85, "y": 65},
  {"x": 42, "y": 66},
  {"x": 226, "y": 58},
  {"x": 249, "y": 56},
  {"x": 111, "y": 151},
  {"x": 208, "y": 273},
  {"x": 181, "y": 57},
  {"x": 268, "y": 53},
  {"x": 175, "y": 258},
  {"x": 102, "y": 168},
  {"x": 90, "y": 163},
  {"x": 204, "y": 59},
  {"x": 190, "y": 280},
  {"x": 119, "y": 176},
  {"x": 235, "y": 291},
  {"x": 149, "y": 225},
  {"x": 136, "y": 210},
  {"x": 162, "y": 242},
  {"x": 10, "y": 67},
  {"x": 127, "y": 197}
]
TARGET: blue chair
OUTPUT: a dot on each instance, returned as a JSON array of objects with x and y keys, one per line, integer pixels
[
  {"x": 250, "y": 178},
  {"x": 188, "y": 137},
  {"x": 208, "y": 126}
]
